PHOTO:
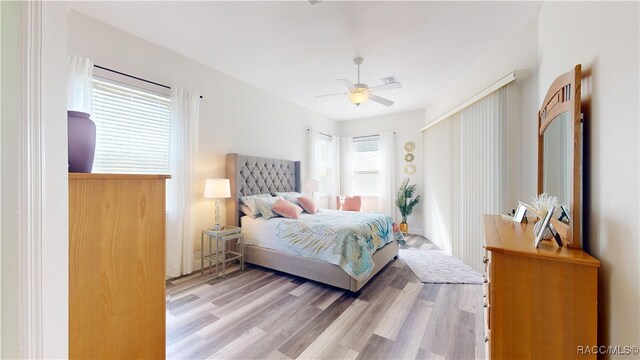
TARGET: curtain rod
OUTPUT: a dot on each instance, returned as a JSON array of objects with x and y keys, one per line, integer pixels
[
  {"x": 134, "y": 77},
  {"x": 320, "y": 133},
  {"x": 366, "y": 136},
  {"x": 355, "y": 137},
  {"x": 488, "y": 90}
]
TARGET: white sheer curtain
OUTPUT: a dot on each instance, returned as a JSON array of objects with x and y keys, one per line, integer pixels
[
  {"x": 181, "y": 233},
  {"x": 323, "y": 152},
  {"x": 79, "y": 86},
  {"x": 346, "y": 149},
  {"x": 313, "y": 160},
  {"x": 387, "y": 183},
  {"x": 333, "y": 176}
]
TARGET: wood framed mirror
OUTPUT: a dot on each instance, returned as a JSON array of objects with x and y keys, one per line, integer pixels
[{"x": 560, "y": 153}]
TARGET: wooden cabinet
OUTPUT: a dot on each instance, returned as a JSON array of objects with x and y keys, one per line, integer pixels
[
  {"x": 116, "y": 266},
  {"x": 539, "y": 303}
]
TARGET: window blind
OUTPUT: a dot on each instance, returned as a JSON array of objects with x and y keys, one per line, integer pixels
[
  {"x": 132, "y": 129},
  {"x": 366, "y": 165}
]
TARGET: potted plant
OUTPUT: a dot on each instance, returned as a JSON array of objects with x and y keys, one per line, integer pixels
[{"x": 405, "y": 202}]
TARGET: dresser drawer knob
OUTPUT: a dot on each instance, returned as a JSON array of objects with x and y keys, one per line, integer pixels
[
  {"x": 485, "y": 305},
  {"x": 485, "y": 259},
  {"x": 486, "y": 339}
]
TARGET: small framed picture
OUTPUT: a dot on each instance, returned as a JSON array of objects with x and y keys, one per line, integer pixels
[
  {"x": 543, "y": 228},
  {"x": 520, "y": 215},
  {"x": 564, "y": 217}
]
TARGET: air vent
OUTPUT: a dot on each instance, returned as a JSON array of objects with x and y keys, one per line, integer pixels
[
  {"x": 315, "y": 2},
  {"x": 389, "y": 80}
]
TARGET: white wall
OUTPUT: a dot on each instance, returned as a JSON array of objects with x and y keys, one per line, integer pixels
[
  {"x": 234, "y": 116},
  {"x": 405, "y": 125},
  {"x": 438, "y": 157},
  {"x": 606, "y": 42},
  {"x": 519, "y": 54}
]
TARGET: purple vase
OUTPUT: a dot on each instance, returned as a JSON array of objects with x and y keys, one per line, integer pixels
[{"x": 82, "y": 141}]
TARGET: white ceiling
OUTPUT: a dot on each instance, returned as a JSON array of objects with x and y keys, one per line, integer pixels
[{"x": 297, "y": 50}]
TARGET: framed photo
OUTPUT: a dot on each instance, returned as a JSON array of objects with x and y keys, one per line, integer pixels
[
  {"x": 520, "y": 215},
  {"x": 565, "y": 214},
  {"x": 545, "y": 223},
  {"x": 555, "y": 235}
]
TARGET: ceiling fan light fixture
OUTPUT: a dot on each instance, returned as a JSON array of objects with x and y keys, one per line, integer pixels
[{"x": 357, "y": 98}]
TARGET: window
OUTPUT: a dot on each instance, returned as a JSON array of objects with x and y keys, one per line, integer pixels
[
  {"x": 324, "y": 145},
  {"x": 366, "y": 165},
  {"x": 133, "y": 127}
]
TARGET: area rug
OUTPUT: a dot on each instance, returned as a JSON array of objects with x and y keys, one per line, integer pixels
[{"x": 438, "y": 267}]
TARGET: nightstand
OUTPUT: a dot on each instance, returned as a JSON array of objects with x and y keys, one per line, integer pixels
[{"x": 219, "y": 252}]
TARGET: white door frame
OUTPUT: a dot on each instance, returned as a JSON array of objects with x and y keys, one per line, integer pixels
[{"x": 31, "y": 191}]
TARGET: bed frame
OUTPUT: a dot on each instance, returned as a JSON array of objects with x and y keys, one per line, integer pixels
[{"x": 250, "y": 175}]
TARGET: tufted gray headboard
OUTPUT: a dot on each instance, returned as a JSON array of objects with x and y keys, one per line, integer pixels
[{"x": 250, "y": 175}]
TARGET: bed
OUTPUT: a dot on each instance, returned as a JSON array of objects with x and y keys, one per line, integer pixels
[{"x": 251, "y": 175}]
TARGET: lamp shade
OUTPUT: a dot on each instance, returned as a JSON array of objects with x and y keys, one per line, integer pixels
[
  {"x": 358, "y": 98},
  {"x": 313, "y": 185},
  {"x": 217, "y": 189}
]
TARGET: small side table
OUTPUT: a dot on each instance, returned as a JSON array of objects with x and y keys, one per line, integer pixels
[{"x": 222, "y": 254}]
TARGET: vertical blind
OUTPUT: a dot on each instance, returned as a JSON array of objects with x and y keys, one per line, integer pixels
[
  {"x": 132, "y": 129},
  {"x": 479, "y": 175},
  {"x": 366, "y": 159},
  {"x": 466, "y": 162}
]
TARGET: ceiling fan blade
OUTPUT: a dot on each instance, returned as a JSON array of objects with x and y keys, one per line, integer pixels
[
  {"x": 331, "y": 95},
  {"x": 381, "y": 100},
  {"x": 347, "y": 83},
  {"x": 388, "y": 86}
]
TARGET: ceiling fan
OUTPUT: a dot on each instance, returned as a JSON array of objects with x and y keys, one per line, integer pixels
[{"x": 359, "y": 93}]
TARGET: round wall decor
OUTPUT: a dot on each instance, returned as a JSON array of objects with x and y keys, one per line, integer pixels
[
  {"x": 409, "y": 157},
  {"x": 409, "y": 146},
  {"x": 409, "y": 169}
]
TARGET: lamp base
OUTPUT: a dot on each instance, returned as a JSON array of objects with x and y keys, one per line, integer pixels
[{"x": 217, "y": 226}]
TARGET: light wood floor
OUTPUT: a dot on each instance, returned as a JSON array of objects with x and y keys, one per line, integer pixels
[{"x": 263, "y": 314}]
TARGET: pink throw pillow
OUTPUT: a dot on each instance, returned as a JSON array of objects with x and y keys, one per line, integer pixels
[
  {"x": 287, "y": 209},
  {"x": 308, "y": 204},
  {"x": 352, "y": 203}
]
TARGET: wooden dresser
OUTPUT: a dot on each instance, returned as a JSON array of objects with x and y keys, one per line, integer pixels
[
  {"x": 539, "y": 303},
  {"x": 116, "y": 266}
]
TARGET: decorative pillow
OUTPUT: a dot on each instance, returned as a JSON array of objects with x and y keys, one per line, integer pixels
[
  {"x": 291, "y": 196},
  {"x": 352, "y": 203},
  {"x": 250, "y": 201},
  {"x": 287, "y": 209},
  {"x": 247, "y": 211},
  {"x": 308, "y": 204},
  {"x": 265, "y": 206}
]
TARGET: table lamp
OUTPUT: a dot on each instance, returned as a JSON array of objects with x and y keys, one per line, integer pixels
[
  {"x": 313, "y": 186},
  {"x": 217, "y": 189}
]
